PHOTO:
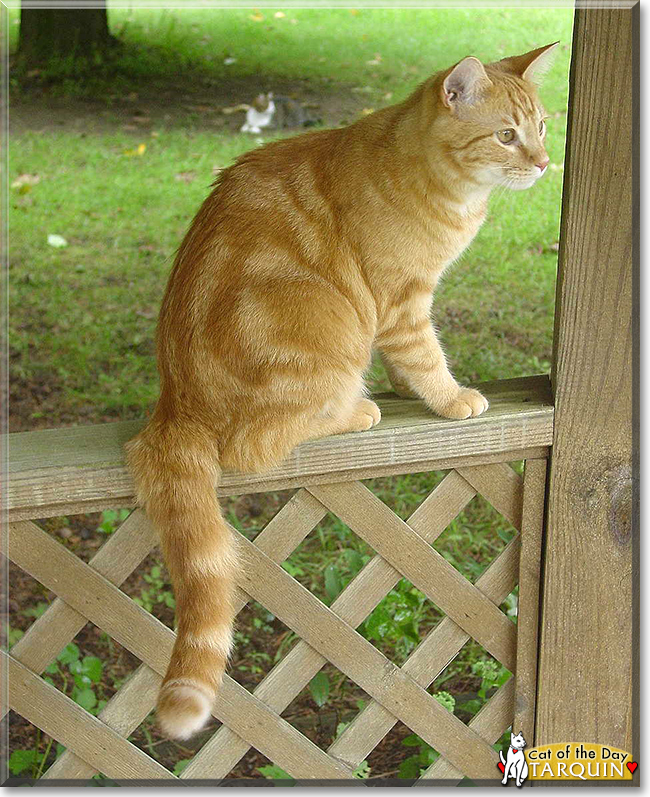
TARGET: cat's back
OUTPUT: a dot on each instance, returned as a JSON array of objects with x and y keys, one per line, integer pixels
[{"x": 294, "y": 166}]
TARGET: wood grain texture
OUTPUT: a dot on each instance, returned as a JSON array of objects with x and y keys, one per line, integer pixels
[
  {"x": 585, "y": 668},
  {"x": 530, "y": 560},
  {"x": 491, "y": 722},
  {"x": 321, "y": 628},
  {"x": 61, "y": 471}
]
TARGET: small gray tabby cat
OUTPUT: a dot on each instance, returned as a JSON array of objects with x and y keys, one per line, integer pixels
[{"x": 276, "y": 113}]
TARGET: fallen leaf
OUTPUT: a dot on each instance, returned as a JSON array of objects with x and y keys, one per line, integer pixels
[
  {"x": 185, "y": 177},
  {"x": 26, "y": 180},
  {"x": 257, "y": 17},
  {"x": 279, "y": 15},
  {"x": 130, "y": 153},
  {"x": 354, "y": 12},
  {"x": 57, "y": 241},
  {"x": 367, "y": 111},
  {"x": 142, "y": 120},
  {"x": 375, "y": 61},
  {"x": 229, "y": 60},
  {"x": 388, "y": 95}
]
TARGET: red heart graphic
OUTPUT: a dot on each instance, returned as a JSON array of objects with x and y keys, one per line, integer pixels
[
  {"x": 632, "y": 765},
  {"x": 503, "y": 769}
]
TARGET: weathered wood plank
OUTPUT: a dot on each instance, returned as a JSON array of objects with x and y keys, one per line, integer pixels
[
  {"x": 65, "y": 470},
  {"x": 123, "y": 715},
  {"x": 321, "y": 628},
  {"x": 530, "y": 563},
  {"x": 500, "y": 486},
  {"x": 587, "y": 649}
]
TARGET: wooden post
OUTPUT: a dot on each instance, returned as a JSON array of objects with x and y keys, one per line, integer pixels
[{"x": 587, "y": 653}]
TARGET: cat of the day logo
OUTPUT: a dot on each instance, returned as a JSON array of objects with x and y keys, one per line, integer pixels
[{"x": 565, "y": 761}]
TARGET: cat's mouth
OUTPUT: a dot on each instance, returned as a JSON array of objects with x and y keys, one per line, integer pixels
[{"x": 520, "y": 182}]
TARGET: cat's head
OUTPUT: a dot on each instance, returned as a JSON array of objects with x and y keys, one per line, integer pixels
[
  {"x": 262, "y": 101},
  {"x": 490, "y": 120},
  {"x": 517, "y": 741}
]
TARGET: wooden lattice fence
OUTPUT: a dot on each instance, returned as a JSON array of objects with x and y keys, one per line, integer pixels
[{"x": 67, "y": 471}]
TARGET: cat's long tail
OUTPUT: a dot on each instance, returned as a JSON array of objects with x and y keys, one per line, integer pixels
[{"x": 175, "y": 467}]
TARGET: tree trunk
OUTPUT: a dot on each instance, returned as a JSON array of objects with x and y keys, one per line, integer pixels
[{"x": 48, "y": 34}]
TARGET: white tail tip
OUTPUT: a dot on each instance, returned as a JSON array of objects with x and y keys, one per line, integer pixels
[{"x": 182, "y": 710}]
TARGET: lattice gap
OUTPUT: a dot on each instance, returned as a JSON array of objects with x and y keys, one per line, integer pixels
[
  {"x": 323, "y": 708},
  {"x": 404, "y": 495}
]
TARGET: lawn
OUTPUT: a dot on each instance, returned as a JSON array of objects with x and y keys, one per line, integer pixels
[{"x": 117, "y": 169}]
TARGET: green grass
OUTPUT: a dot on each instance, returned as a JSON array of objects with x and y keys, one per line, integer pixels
[
  {"x": 82, "y": 317},
  {"x": 330, "y": 44}
]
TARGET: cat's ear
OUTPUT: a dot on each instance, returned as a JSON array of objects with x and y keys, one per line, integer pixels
[
  {"x": 465, "y": 83},
  {"x": 532, "y": 66}
]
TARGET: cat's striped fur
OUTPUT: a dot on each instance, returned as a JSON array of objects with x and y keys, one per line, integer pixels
[{"x": 308, "y": 253}]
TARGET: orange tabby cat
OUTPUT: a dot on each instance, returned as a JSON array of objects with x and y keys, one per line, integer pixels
[{"x": 308, "y": 253}]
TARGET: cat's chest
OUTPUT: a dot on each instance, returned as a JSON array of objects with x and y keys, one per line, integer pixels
[{"x": 426, "y": 244}]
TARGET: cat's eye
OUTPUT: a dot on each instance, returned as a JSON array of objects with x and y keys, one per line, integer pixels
[
  {"x": 506, "y": 136},
  {"x": 542, "y": 127}
]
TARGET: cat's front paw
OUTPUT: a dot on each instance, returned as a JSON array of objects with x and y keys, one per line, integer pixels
[
  {"x": 366, "y": 415},
  {"x": 468, "y": 403}
]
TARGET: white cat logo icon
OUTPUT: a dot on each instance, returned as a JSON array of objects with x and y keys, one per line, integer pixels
[{"x": 514, "y": 765}]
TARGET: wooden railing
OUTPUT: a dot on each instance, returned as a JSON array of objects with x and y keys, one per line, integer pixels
[{"x": 80, "y": 470}]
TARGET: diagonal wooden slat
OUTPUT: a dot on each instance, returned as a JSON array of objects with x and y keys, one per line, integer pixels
[
  {"x": 60, "y": 717},
  {"x": 115, "y": 560},
  {"x": 500, "y": 486},
  {"x": 112, "y": 611},
  {"x": 129, "y": 706},
  {"x": 327, "y": 636},
  {"x": 426, "y": 662},
  {"x": 123, "y": 713},
  {"x": 287, "y": 679},
  {"x": 494, "y": 718},
  {"x": 423, "y": 566}
]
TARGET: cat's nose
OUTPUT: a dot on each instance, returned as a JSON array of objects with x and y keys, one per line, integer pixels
[{"x": 542, "y": 164}]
